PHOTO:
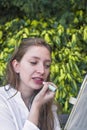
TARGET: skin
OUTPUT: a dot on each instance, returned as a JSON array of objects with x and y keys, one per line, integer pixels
[{"x": 33, "y": 69}]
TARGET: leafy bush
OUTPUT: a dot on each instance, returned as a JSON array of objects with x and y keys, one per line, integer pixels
[{"x": 69, "y": 52}]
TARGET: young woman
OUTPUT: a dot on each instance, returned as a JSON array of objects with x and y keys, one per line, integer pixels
[{"x": 26, "y": 102}]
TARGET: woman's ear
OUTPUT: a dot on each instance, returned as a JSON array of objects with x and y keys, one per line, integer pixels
[{"x": 16, "y": 65}]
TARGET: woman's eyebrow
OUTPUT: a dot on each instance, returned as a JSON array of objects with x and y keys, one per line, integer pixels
[{"x": 35, "y": 57}]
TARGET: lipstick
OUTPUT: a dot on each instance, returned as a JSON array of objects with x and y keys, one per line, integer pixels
[{"x": 52, "y": 88}]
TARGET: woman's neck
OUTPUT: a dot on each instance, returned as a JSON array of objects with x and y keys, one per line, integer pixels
[{"x": 26, "y": 95}]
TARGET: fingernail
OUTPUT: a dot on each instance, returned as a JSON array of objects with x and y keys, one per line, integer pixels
[{"x": 44, "y": 82}]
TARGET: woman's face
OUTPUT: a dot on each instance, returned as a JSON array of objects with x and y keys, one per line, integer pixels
[{"x": 34, "y": 67}]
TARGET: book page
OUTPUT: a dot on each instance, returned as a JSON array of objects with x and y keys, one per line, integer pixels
[{"x": 78, "y": 116}]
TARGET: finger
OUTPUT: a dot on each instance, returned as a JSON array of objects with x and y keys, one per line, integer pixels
[{"x": 45, "y": 88}]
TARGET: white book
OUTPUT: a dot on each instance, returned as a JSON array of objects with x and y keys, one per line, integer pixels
[{"x": 78, "y": 117}]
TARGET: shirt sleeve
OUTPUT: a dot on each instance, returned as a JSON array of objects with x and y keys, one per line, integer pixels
[
  {"x": 56, "y": 120},
  {"x": 30, "y": 126},
  {"x": 6, "y": 119}
]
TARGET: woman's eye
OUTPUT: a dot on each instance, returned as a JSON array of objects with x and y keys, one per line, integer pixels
[
  {"x": 33, "y": 62},
  {"x": 47, "y": 65}
]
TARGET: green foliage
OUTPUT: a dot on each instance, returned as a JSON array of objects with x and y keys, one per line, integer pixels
[
  {"x": 67, "y": 36},
  {"x": 33, "y": 9}
]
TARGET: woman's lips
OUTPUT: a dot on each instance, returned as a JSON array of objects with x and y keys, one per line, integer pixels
[{"x": 38, "y": 80}]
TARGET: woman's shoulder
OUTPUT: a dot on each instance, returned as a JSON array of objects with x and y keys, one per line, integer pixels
[
  {"x": 3, "y": 91},
  {"x": 3, "y": 88}
]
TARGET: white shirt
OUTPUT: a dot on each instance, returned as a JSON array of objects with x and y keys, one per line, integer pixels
[{"x": 14, "y": 113}]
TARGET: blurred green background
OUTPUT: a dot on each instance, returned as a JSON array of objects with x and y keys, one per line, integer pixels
[{"x": 63, "y": 24}]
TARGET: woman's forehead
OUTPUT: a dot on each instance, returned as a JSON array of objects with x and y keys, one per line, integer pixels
[{"x": 38, "y": 51}]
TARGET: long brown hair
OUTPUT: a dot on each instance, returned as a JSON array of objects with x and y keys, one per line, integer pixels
[{"x": 46, "y": 117}]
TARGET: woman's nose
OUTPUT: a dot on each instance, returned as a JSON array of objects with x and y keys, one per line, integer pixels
[{"x": 41, "y": 69}]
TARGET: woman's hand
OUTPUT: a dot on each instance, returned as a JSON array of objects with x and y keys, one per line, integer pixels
[{"x": 44, "y": 96}]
